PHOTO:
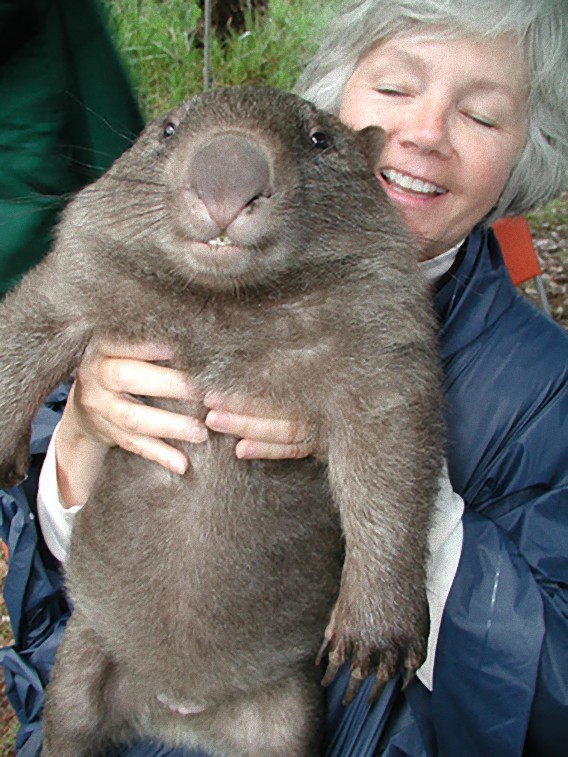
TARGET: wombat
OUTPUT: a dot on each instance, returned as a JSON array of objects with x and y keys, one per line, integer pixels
[{"x": 247, "y": 230}]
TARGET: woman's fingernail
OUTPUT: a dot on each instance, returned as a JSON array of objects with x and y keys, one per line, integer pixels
[
  {"x": 214, "y": 399},
  {"x": 243, "y": 450},
  {"x": 178, "y": 466},
  {"x": 199, "y": 434},
  {"x": 214, "y": 420}
]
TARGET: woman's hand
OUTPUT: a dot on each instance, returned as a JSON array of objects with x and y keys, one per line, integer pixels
[
  {"x": 263, "y": 434},
  {"x": 102, "y": 412}
]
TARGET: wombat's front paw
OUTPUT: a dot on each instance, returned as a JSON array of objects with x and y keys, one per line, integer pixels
[
  {"x": 389, "y": 641},
  {"x": 14, "y": 468}
]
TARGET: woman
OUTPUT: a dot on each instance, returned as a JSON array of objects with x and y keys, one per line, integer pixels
[{"x": 473, "y": 101}]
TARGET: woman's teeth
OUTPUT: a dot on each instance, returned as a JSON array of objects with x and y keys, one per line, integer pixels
[{"x": 414, "y": 185}]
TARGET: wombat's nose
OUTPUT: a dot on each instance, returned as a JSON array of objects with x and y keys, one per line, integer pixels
[{"x": 227, "y": 173}]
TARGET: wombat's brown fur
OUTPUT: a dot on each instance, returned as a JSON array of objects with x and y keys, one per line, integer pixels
[{"x": 247, "y": 230}]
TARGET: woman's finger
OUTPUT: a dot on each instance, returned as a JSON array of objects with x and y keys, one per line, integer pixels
[
  {"x": 144, "y": 420},
  {"x": 272, "y": 430},
  {"x": 133, "y": 376},
  {"x": 133, "y": 369},
  {"x": 254, "y": 407},
  {"x": 154, "y": 450},
  {"x": 248, "y": 449}
]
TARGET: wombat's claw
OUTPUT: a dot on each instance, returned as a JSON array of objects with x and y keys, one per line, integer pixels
[
  {"x": 323, "y": 651},
  {"x": 376, "y": 691},
  {"x": 407, "y": 677},
  {"x": 332, "y": 667},
  {"x": 330, "y": 674},
  {"x": 353, "y": 687}
]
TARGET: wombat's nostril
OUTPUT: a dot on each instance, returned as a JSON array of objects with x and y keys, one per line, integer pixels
[{"x": 229, "y": 173}]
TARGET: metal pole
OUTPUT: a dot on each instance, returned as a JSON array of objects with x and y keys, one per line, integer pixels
[
  {"x": 207, "y": 47},
  {"x": 542, "y": 294}
]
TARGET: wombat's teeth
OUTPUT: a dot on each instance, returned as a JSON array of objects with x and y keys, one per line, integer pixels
[
  {"x": 220, "y": 241},
  {"x": 408, "y": 182}
]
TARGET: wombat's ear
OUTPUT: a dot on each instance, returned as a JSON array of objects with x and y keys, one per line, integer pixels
[{"x": 371, "y": 141}]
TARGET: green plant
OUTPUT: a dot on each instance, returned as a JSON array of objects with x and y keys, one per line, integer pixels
[{"x": 162, "y": 43}]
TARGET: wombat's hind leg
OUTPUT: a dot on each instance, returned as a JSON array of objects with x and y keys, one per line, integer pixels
[
  {"x": 283, "y": 720},
  {"x": 78, "y": 716}
]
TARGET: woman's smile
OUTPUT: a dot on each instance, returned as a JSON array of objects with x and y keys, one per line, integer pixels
[{"x": 402, "y": 184}]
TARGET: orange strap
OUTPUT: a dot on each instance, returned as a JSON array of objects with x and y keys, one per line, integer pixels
[{"x": 516, "y": 243}]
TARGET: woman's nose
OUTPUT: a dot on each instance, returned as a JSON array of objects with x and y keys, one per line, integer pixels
[{"x": 427, "y": 129}]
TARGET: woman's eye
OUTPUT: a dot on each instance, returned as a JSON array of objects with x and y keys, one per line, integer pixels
[
  {"x": 481, "y": 120},
  {"x": 392, "y": 91}
]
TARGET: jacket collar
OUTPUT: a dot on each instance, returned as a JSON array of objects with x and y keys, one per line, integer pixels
[{"x": 474, "y": 293}]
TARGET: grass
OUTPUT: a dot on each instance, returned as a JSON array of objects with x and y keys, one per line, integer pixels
[
  {"x": 549, "y": 228},
  {"x": 162, "y": 41},
  {"x": 554, "y": 217}
]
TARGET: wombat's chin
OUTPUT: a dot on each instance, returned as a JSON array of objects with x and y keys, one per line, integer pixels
[{"x": 218, "y": 264}]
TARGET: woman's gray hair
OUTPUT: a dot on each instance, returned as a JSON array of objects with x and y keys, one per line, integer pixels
[{"x": 541, "y": 26}]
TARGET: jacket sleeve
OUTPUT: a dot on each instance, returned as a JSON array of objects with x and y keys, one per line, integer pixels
[
  {"x": 489, "y": 647},
  {"x": 501, "y": 671},
  {"x": 509, "y": 693},
  {"x": 33, "y": 592}
]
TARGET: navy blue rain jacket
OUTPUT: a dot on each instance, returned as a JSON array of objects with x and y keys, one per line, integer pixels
[{"x": 501, "y": 671}]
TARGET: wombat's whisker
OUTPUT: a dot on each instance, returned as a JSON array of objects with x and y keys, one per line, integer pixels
[
  {"x": 127, "y": 135},
  {"x": 138, "y": 180}
]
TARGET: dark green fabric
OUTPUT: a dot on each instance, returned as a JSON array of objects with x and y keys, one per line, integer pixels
[{"x": 67, "y": 112}]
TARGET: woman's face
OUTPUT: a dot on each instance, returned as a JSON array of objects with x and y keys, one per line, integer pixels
[{"x": 454, "y": 112}]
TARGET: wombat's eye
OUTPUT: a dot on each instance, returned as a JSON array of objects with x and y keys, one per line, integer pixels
[
  {"x": 319, "y": 139},
  {"x": 169, "y": 129}
]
